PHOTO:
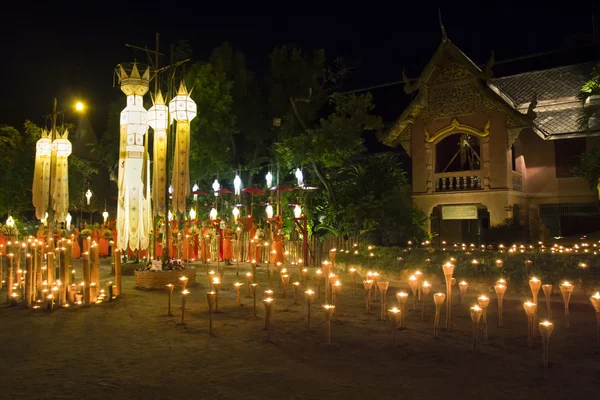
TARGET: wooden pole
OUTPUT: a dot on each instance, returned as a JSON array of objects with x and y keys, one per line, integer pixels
[
  {"x": 118, "y": 277},
  {"x": 86, "y": 279},
  {"x": 50, "y": 267},
  {"x": 28, "y": 281}
]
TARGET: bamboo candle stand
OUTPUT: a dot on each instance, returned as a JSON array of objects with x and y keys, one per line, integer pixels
[
  {"x": 547, "y": 289},
  {"x": 184, "y": 282},
  {"x": 448, "y": 269},
  {"x": 210, "y": 299},
  {"x": 211, "y": 276},
  {"x": 309, "y": 295},
  {"x": 383, "y": 288},
  {"x": 500, "y": 290},
  {"x": 249, "y": 282},
  {"x": 238, "y": 289},
  {"x": 9, "y": 283},
  {"x": 425, "y": 288},
  {"x": 395, "y": 315},
  {"x": 285, "y": 279},
  {"x": 296, "y": 286},
  {"x": 368, "y": 284},
  {"x": 484, "y": 302},
  {"x": 476, "y": 312},
  {"x": 402, "y": 297},
  {"x": 566, "y": 288},
  {"x": 413, "y": 282},
  {"x": 375, "y": 278},
  {"x": 268, "y": 302},
  {"x": 336, "y": 289},
  {"x": 438, "y": 300},
  {"x": 462, "y": 286},
  {"x": 254, "y": 287},
  {"x": 305, "y": 275},
  {"x": 328, "y": 309},
  {"x": 319, "y": 275},
  {"x": 216, "y": 286},
  {"x": 253, "y": 275},
  {"x": 184, "y": 295},
  {"x": 534, "y": 284},
  {"x": 419, "y": 276},
  {"x": 546, "y": 328},
  {"x": 595, "y": 299},
  {"x": 530, "y": 310}
]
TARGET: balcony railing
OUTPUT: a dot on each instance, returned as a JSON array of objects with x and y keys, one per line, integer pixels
[{"x": 457, "y": 181}]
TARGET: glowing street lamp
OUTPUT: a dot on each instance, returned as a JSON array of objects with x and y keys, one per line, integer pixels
[{"x": 79, "y": 106}]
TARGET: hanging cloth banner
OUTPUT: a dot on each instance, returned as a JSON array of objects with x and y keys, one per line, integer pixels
[
  {"x": 158, "y": 120},
  {"x": 183, "y": 110},
  {"x": 60, "y": 190},
  {"x": 41, "y": 175}
]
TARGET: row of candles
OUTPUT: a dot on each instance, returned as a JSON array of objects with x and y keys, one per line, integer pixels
[
  {"x": 38, "y": 284},
  {"x": 420, "y": 290},
  {"x": 584, "y": 247}
]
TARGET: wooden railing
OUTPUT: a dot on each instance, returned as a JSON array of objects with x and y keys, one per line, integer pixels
[{"x": 457, "y": 181}]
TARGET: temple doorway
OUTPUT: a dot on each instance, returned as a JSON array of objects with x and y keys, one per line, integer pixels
[{"x": 459, "y": 223}]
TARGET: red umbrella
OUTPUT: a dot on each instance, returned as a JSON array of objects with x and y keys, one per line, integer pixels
[
  {"x": 224, "y": 191},
  {"x": 199, "y": 193},
  {"x": 253, "y": 191},
  {"x": 282, "y": 188}
]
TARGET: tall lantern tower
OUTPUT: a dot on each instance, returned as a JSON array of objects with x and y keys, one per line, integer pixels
[
  {"x": 183, "y": 110},
  {"x": 133, "y": 208},
  {"x": 158, "y": 119}
]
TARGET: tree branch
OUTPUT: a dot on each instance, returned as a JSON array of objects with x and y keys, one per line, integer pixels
[{"x": 325, "y": 182}]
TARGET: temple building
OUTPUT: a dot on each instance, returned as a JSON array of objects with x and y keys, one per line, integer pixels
[{"x": 486, "y": 151}]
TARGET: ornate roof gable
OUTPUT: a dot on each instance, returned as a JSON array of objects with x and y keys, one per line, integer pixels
[{"x": 449, "y": 86}]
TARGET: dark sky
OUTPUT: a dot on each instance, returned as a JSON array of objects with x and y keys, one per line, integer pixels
[{"x": 71, "y": 52}]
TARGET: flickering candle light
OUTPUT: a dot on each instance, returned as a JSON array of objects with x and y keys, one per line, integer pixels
[
  {"x": 93, "y": 292},
  {"x": 566, "y": 288},
  {"x": 535, "y": 284},
  {"x": 425, "y": 289},
  {"x": 499, "y": 263},
  {"x": 285, "y": 279},
  {"x": 14, "y": 299},
  {"x": 375, "y": 277},
  {"x": 296, "y": 285},
  {"x": 419, "y": 276},
  {"x": 305, "y": 275},
  {"x": 476, "y": 312},
  {"x": 500, "y": 290},
  {"x": 402, "y": 297},
  {"x": 595, "y": 299},
  {"x": 546, "y": 328},
  {"x": 368, "y": 284},
  {"x": 211, "y": 297},
  {"x": 309, "y": 295},
  {"x": 336, "y": 288},
  {"x": 254, "y": 287},
  {"x": 463, "y": 290},
  {"x": 211, "y": 276},
  {"x": 352, "y": 272},
  {"x": 249, "y": 281},
  {"x": 448, "y": 269},
  {"x": 238, "y": 287},
  {"x": 184, "y": 281},
  {"x": 50, "y": 302},
  {"x": 28, "y": 281},
  {"x": 268, "y": 302},
  {"x": 530, "y": 310},
  {"x": 395, "y": 315},
  {"x": 438, "y": 300},
  {"x": 547, "y": 289},
  {"x": 328, "y": 309},
  {"x": 413, "y": 282},
  {"x": 484, "y": 302}
]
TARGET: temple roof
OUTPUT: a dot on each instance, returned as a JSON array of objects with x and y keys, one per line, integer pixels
[{"x": 555, "y": 90}]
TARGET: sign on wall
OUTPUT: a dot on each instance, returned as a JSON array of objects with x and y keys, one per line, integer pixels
[{"x": 463, "y": 211}]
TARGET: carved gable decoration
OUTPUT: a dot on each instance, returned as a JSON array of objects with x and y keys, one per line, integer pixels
[
  {"x": 456, "y": 127},
  {"x": 451, "y": 71},
  {"x": 451, "y": 101}
]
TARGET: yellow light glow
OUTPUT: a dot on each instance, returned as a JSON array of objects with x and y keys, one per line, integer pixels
[{"x": 79, "y": 106}]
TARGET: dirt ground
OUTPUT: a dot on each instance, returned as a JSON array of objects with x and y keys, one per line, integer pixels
[{"x": 130, "y": 349}]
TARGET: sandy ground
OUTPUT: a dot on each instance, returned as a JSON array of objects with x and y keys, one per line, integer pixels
[{"x": 130, "y": 349}]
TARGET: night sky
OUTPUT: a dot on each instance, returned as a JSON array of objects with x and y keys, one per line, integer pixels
[{"x": 72, "y": 53}]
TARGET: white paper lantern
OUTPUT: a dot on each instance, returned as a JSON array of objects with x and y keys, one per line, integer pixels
[
  {"x": 213, "y": 213},
  {"x": 43, "y": 147},
  {"x": 269, "y": 178},
  {"x": 216, "y": 186},
  {"x": 158, "y": 117},
  {"x": 299, "y": 177},
  {"x": 297, "y": 211},
  {"x": 237, "y": 184},
  {"x": 182, "y": 107},
  {"x": 105, "y": 215},
  {"x": 269, "y": 211},
  {"x": 10, "y": 221},
  {"x": 236, "y": 213},
  {"x": 192, "y": 214},
  {"x": 68, "y": 220},
  {"x": 62, "y": 147}
]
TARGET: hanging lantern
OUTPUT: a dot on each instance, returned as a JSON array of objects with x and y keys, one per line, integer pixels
[
  {"x": 133, "y": 206},
  {"x": 216, "y": 186},
  {"x": 237, "y": 184},
  {"x": 269, "y": 211},
  {"x": 195, "y": 189},
  {"x": 269, "y": 178},
  {"x": 60, "y": 186},
  {"x": 170, "y": 216},
  {"x": 297, "y": 211},
  {"x": 183, "y": 110},
  {"x": 213, "y": 213},
  {"x": 10, "y": 221},
  {"x": 105, "y": 216},
  {"x": 41, "y": 174},
  {"x": 236, "y": 213},
  {"x": 299, "y": 177},
  {"x": 88, "y": 196},
  {"x": 158, "y": 120},
  {"x": 192, "y": 214},
  {"x": 68, "y": 220},
  {"x": 45, "y": 219}
]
